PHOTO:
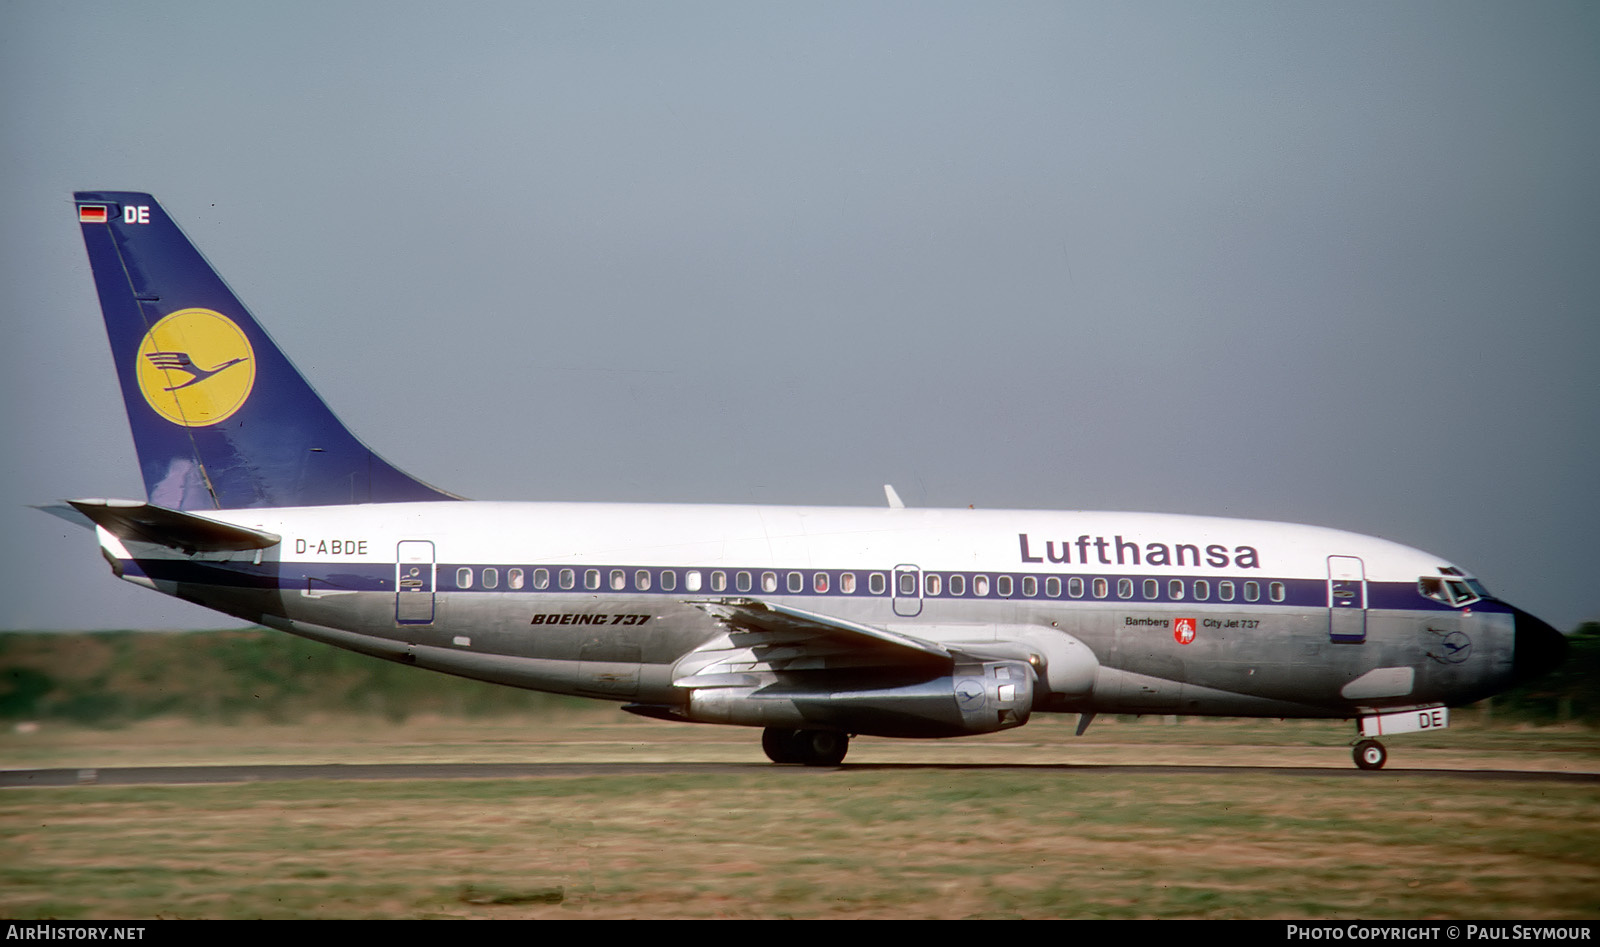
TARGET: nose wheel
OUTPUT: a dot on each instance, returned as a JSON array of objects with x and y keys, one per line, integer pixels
[{"x": 1370, "y": 754}]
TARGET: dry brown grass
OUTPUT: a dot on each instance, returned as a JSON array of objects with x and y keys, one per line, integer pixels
[{"x": 784, "y": 841}]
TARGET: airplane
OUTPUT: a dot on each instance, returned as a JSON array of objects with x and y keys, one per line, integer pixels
[{"x": 814, "y": 624}]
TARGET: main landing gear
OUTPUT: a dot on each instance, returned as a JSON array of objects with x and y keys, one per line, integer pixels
[
  {"x": 811, "y": 747},
  {"x": 1370, "y": 754}
]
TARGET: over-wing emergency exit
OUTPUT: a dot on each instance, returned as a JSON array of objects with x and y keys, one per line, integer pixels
[{"x": 812, "y": 623}]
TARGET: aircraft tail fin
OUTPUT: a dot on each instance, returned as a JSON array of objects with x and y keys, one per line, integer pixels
[{"x": 220, "y": 417}]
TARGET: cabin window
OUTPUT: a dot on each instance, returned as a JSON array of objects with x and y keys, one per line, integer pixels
[
  {"x": 1252, "y": 591},
  {"x": 1152, "y": 588},
  {"x": 719, "y": 581},
  {"x": 541, "y": 578},
  {"x": 1075, "y": 587},
  {"x": 958, "y": 585},
  {"x": 1225, "y": 590},
  {"x": 741, "y": 581},
  {"x": 669, "y": 580},
  {"x": 619, "y": 580},
  {"x": 491, "y": 577},
  {"x": 1030, "y": 586},
  {"x": 591, "y": 578},
  {"x": 1052, "y": 586},
  {"x": 1002, "y": 586},
  {"x": 1124, "y": 588},
  {"x": 769, "y": 581},
  {"x": 1276, "y": 590},
  {"x": 691, "y": 580},
  {"x": 1102, "y": 588},
  {"x": 980, "y": 585},
  {"x": 796, "y": 581},
  {"x": 819, "y": 582},
  {"x": 641, "y": 580},
  {"x": 875, "y": 583},
  {"x": 1202, "y": 589},
  {"x": 933, "y": 583},
  {"x": 847, "y": 583},
  {"x": 463, "y": 578},
  {"x": 514, "y": 578},
  {"x": 567, "y": 577},
  {"x": 1175, "y": 589},
  {"x": 908, "y": 583}
]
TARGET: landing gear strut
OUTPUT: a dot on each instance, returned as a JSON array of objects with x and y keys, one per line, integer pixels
[
  {"x": 811, "y": 747},
  {"x": 1370, "y": 754}
]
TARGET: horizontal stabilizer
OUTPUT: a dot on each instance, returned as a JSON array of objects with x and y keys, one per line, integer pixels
[
  {"x": 136, "y": 521},
  {"x": 65, "y": 512}
]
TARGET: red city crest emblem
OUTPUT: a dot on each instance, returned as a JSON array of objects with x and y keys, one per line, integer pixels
[{"x": 1183, "y": 630}]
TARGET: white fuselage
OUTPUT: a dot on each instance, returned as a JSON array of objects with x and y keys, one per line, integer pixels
[{"x": 1176, "y": 613}]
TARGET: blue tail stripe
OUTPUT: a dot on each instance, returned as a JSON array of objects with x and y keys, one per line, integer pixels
[{"x": 237, "y": 429}]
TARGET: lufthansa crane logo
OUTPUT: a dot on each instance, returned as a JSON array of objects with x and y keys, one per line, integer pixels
[{"x": 195, "y": 367}]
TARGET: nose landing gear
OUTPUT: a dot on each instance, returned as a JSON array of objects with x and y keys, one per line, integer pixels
[{"x": 1370, "y": 754}]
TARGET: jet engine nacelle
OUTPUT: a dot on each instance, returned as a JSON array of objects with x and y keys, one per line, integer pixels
[
  {"x": 1065, "y": 668},
  {"x": 977, "y": 697}
]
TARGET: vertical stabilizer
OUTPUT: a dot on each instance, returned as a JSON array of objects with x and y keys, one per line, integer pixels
[{"x": 220, "y": 417}]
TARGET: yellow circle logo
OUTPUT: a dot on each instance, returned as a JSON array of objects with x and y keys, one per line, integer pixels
[{"x": 196, "y": 367}]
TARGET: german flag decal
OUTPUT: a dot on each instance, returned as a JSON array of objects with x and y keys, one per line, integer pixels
[{"x": 91, "y": 213}]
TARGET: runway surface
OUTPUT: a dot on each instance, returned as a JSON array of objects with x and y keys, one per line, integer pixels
[{"x": 181, "y": 775}]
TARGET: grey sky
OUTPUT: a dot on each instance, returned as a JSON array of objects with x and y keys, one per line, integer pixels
[{"x": 1325, "y": 263}]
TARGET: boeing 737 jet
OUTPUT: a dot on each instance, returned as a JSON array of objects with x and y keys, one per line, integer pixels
[{"x": 812, "y": 623}]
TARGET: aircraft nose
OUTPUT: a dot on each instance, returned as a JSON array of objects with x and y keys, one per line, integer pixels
[{"x": 1539, "y": 648}]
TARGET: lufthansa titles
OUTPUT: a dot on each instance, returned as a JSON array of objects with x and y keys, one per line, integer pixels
[{"x": 1116, "y": 551}]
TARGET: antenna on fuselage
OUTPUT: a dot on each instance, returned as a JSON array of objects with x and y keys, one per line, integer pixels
[{"x": 895, "y": 503}]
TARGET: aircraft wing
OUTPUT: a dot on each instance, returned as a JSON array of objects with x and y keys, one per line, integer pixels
[
  {"x": 767, "y": 637},
  {"x": 135, "y": 521}
]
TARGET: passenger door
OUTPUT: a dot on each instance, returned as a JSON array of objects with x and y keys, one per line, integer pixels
[{"x": 1347, "y": 599}]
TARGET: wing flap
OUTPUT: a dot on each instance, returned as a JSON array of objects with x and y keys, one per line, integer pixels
[
  {"x": 765, "y": 638},
  {"x": 756, "y": 615}
]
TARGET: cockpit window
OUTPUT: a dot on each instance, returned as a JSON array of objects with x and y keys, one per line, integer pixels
[{"x": 1451, "y": 590}]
